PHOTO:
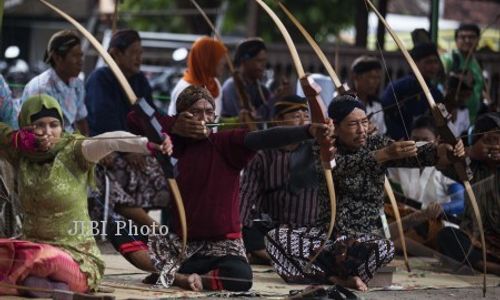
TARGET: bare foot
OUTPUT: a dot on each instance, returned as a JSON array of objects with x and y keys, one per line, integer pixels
[
  {"x": 189, "y": 282},
  {"x": 353, "y": 282}
]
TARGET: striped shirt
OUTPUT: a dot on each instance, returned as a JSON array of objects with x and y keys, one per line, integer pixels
[{"x": 284, "y": 185}]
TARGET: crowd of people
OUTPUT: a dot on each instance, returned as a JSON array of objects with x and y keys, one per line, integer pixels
[{"x": 80, "y": 153}]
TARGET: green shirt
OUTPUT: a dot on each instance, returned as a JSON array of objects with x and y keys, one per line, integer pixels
[
  {"x": 53, "y": 197},
  {"x": 473, "y": 66}
]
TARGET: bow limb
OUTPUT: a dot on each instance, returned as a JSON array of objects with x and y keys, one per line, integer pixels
[
  {"x": 244, "y": 101},
  {"x": 399, "y": 223},
  {"x": 133, "y": 100},
  {"x": 314, "y": 45},
  {"x": 318, "y": 115},
  {"x": 440, "y": 116},
  {"x": 338, "y": 85}
]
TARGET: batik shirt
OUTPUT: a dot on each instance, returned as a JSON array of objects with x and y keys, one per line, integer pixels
[
  {"x": 359, "y": 183},
  {"x": 8, "y": 114},
  {"x": 70, "y": 96}
]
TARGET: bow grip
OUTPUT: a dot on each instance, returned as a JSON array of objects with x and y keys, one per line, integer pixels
[
  {"x": 443, "y": 124},
  {"x": 153, "y": 131},
  {"x": 318, "y": 115}
]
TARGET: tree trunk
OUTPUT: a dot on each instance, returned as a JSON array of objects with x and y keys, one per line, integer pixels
[
  {"x": 252, "y": 13},
  {"x": 361, "y": 23},
  {"x": 382, "y": 8}
]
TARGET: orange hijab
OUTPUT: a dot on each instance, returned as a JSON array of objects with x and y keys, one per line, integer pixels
[{"x": 203, "y": 58}]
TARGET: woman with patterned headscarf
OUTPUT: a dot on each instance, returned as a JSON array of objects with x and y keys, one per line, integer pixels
[
  {"x": 54, "y": 170},
  {"x": 205, "y": 64}
]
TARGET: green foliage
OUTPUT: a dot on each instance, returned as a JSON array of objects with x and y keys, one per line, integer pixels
[
  {"x": 170, "y": 23},
  {"x": 322, "y": 18}
]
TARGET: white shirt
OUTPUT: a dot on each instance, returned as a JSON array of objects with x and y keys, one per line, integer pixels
[
  {"x": 426, "y": 187},
  {"x": 462, "y": 122},
  {"x": 378, "y": 117},
  {"x": 326, "y": 84}
]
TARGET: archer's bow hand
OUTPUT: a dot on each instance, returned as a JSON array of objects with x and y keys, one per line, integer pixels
[
  {"x": 433, "y": 212},
  {"x": 322, "y": 131},
  {"x": 448, "y": 153},
  {"x": 166, "y": 147},
  {"x": 28, "y": 140},
  {"x": 324, "y": 134},
  {"x": 396, "y": 150},
  {"x": 187, "y": 125}
]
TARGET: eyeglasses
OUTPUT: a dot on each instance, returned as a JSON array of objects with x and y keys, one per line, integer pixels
[{"x": 202, "y": 112}]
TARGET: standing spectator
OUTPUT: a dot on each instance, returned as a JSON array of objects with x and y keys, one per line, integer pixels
[
  {"x": 459, "y": 87},
  {"x": 8, "y": 114},
  {"x": 64, "y": 54},
  {"x": 205, "y": 64},
  {"x": 463, "y": 59},
  {"x": 250, "y": 58},
  {"x": 404, "y": 99},
  {"x": 137, "y": 182},
  {"x": 366, "y": 74},
  {"x": 107, "y": 104}
]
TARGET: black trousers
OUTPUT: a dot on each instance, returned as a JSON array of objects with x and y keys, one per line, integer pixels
[
  {"x": 232, "y": 273},
  {"x": 454, "y": 242},
  {"x": 253, "y": 237}
]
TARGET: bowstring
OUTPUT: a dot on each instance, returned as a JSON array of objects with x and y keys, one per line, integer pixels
[
  {"x": 397, "y": 104},
  {"x": 384, "y": 63}
]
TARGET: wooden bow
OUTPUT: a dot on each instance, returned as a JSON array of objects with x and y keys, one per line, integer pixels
[
  {"x": 245, "y": 119},
  {"x": 318, "y": 115},
  {"x": 341, "y": 89},
  {"x": 166, "y": 165},
  {"x": 440, "y": 116}
]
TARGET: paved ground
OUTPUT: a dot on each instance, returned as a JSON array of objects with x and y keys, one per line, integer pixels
[
  {"x": 465, "y": 294},
  {"x": 126, "y": 281}
]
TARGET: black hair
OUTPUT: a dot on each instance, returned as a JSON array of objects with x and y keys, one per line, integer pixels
[
  {"x": 364, "y": 64},
  {"x": 425, "y": 122},
  {"x": 122, "y": 39},
  {"x": 467, "y": 27},
  {"x": 423, "y": 50},
  {"x": 60, "y": 44},
  {"x": 341, "y": 106},
  {"x": 248, "y": 49}
]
